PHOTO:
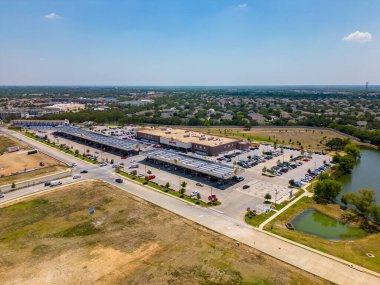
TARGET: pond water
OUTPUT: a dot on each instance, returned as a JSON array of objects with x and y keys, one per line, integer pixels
[
  {"x": 315, "y": 223},
  {"x": 366, "y": 174}
]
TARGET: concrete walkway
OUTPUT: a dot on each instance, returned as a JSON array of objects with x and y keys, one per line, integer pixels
[{"x": 271, "y": 218}]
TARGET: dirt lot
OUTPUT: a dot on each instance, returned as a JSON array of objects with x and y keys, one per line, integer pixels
[
  {"x": 6, "y": 142},
  {"x": 309, "y": 138},
  {"x": 20, "y": 161},
  {"x": 52, "y": 239}
]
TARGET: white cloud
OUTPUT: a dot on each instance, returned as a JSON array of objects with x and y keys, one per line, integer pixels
[
  {"x": 360, "y": 37},
  {"x": 242, "y": 6},
  {"x": 52, "y": 16}
]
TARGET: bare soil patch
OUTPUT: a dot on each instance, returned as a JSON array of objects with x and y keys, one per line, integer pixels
[{"x": 18, "y": 166}]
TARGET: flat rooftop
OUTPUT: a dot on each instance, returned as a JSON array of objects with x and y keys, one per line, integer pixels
[
  {"x": 211, "y": 168},
  {"x": 121, "y": 144},
  {"x": 187, "y": 136}
]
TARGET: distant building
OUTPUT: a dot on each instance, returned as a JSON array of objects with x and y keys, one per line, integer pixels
[
  {"x": 137, "y": 102},
  {"x": 69, "y": 107},
  {"x": 39, "y": 123}
]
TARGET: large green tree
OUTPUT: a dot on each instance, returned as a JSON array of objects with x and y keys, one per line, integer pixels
[
  {"x": 327, "y": 189},
  {"x": 353, "y": 151},
  {"x": 364, "y": 202}
]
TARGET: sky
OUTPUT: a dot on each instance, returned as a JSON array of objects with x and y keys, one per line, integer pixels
[{"x": 189, "y": 42}]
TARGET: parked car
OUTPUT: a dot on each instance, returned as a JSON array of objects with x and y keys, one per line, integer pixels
[
  {"x": 240, "y": 178},
  {"x": 119, "y": 180},
  {"x": 76, "y": 176},
  {"x": 246, "y": 186},
  {"x": 199, "y": 184},
  {"x": 151, "y": 177},
  {"x": 84, "y": 171},
  {"x": 2, "y": 196},
  {"x": 124, "y": 157}
]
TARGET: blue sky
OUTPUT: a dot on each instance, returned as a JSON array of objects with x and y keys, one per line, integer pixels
[{"x": 193, "y": 42}]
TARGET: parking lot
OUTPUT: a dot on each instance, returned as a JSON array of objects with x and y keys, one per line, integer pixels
[{"x": 234, "y": 198}]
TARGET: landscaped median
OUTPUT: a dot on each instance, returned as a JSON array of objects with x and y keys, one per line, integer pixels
[
  {"x": 167, "y": 190},
  {"x": 64, "y": 149},
  {"x": 255, "y": 220}
]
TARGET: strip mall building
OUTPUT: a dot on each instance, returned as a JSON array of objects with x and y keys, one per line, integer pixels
[{"x": 186, "y": 140}]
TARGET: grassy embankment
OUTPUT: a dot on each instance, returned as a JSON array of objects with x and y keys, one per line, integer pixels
[
  {"x": 80, "y": 156},
  {"x": 351, "y": 250},
  {"x": 52, "y": 238},
  {"x": 167, "y": 190}
]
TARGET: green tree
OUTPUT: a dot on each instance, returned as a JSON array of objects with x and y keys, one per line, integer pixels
[
  {"x": 267, "y": 197},
  {"x": 198, "y": 196},
  {"x": 291, "y": 182},
  {"x": 375, "y": 213},
  {"x": 324, "y": 176},
  {"x": 13, "y": 185},
  {"x": 363, "y": 202},
  {"x": 353, "y": 151},
  {"x": 346, "y": 164},
  {"x": 149, "y": 171},
  {"x": 327, "y": 189},
  {"x": 183, "y": 184},
  {"x": 167, "y": 185}
]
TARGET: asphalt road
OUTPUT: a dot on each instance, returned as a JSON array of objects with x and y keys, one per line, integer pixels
[{"x": 318, "y": 263}]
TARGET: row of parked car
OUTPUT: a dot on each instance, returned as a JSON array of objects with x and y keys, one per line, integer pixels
[
  {"x": 256, "y": 159},
  {"x": 284, "y": 167},
  {"x": 310, "y": 176}
]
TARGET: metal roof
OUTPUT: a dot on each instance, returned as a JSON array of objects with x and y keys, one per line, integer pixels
[
  {"x": 211, "y": 168},
  {"x": 121, "y": 144}
]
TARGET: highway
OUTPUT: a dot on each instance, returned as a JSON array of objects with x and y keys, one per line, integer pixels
[{"x": 318, "y": 263}]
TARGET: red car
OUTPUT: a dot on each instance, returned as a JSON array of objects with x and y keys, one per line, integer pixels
[
  {"x": 151, "y": 177},
  {"x": 124, "y": 157}
]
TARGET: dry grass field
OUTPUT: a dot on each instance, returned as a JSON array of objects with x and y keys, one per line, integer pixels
[
  {"x": 312, "y": 139},
  {"x": 52, "y": 239},
  {"x": 6, "y": 142},
  {"x": 20, "y": 161}
]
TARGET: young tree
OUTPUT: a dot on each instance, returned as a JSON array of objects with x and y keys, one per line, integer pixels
[
  {"x": 167, "y": 185},
  {"x": 198, "y": 196},
  {"x": 149, "y": 171},
  {"x": 13, "y": 185},
  {"x": 327, "y": 189},
  {"x": 76, "y": 152},
  {"x": 264, "y": 169},
  {"x": 292, "y": 182},
  {"x": 182, "y": 191},
  {"x": 267, "y": 197},
  {"x": 183, "y": 184}
]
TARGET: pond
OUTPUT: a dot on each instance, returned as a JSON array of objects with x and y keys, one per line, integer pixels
[
  {"x": 315, "y": 223},
  {"x": 366, "y": 174}
]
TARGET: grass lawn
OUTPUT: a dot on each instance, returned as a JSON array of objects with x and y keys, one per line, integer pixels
[
  {"x": 350, "y": 250},
  {"x": 258, "y": 219},
  {"x": 52, "y": 239}
]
